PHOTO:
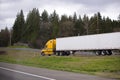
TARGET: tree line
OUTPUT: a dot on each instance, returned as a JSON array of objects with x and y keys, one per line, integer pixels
[
  {"x": 4, "y": 37},
  {"x": 37, "y": 29}
]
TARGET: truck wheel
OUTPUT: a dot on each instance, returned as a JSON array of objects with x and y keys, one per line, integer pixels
[
  {"x": 49, "y": 54},
  {"x": 42, "y": 54},
  {"x": 60, "y": 53},
  {"x": 98, "y": 52},
  {"x": 72, "y": 52},
  {"x": 57, "y": 53},
  {"x": 109, "y": 52},
  {"x": 67, "y": 53},
  {"x": 104, "y": 52}
]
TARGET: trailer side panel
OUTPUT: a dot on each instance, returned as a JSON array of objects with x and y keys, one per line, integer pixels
[{"x": 89, "y": 42}]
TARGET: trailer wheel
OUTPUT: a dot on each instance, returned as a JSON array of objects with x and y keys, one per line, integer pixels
[
  {"x": 67, "y": 53},
  {"x": 109, "y": 52},
  {"x": 42, "y": 54},
  {"x": 98, "y": 52},
  {"x": 104, "y": 52},
  {"x": 72, "y": 52},
  {"x": 57, "y": 53},
  {"x": 61, "y": 53}
]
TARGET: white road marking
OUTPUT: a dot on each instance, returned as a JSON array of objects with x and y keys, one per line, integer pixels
[{"x": 27, "y": 73}]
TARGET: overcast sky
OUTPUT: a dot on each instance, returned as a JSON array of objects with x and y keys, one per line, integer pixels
[{"x": 10, "y": 8}]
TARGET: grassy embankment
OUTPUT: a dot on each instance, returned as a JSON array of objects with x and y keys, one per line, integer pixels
[{"x": 106, "y": 66}]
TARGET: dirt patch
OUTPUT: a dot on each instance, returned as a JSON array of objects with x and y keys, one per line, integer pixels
[{"x": 3, "y": 53}]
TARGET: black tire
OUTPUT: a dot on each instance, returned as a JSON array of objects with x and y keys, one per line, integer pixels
[
  {"x": 57, "y": 53},
  {"x": 104, "y": 52},
  {"x": 98, "y": 52},
  {"x": 61, "y": 54},
  {"x": 42, "y": 54},
  {"x": 64, "y": 53},
  {"x": 67, "y": 53},
  {"x": 49, "y": 54},
  {"x": 109, "y": 52},
  {"x": 73, "y": 53}
]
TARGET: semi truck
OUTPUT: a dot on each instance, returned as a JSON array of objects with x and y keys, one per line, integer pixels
[{"x": 101, "y": 44}]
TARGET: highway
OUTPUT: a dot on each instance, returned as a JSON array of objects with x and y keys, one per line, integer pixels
[{"x": 19, "y": 72}]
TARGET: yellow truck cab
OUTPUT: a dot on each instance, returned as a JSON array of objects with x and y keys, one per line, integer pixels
[{"x": 49, "y": 48}]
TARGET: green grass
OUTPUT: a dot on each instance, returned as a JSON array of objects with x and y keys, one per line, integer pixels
[{"x": 106, "y": 66}]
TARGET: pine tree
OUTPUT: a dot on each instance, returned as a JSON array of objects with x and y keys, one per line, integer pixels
[
  {"x": 70, "y": 18},
  {"x": 54, "y": 19},
  {"x": 79, "y": 29},
  {"x": 96, "y": 24},
  {"x": 4, "y": 37},
  {"x": 74, "y": 17},
  {"x": 66, "y": 27},
  {"x": 32, "y": 26},
  {"x": 86, "y": 23},
  {"x": 99, "y": 28},
  {"x": 108, "y": 25},
  {"x": 44, "y": 16},
  {"x": 45, "y": 28},
  {"x": 18, "y": 27},
  {"x": 64, "y": 18}
]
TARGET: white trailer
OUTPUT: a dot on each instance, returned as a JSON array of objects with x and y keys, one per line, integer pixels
[{"x": 101, "y": 43}]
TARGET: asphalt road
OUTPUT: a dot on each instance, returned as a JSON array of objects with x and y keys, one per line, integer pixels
[{"x": 19, "y": 72}]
